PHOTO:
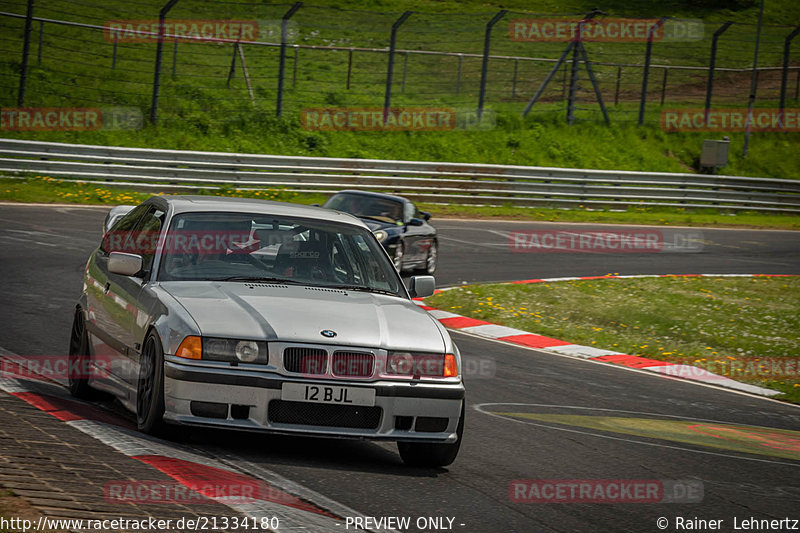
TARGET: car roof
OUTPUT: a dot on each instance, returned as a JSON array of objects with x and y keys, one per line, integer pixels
[
  {"x": 375, "y": 195},
  {"x": 194, "y": 204}
]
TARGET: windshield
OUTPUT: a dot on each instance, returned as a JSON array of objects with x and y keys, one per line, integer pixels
[
  {"x": 383, "y": 209},
  {"x": 245, "y": 246}
]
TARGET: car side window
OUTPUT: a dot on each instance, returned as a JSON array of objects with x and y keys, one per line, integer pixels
[
  {"x": 116, "y": 239},
  {"x": 147, "y": 231}
]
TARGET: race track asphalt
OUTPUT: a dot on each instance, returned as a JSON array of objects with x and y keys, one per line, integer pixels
[{"x": 530, "y": 416}]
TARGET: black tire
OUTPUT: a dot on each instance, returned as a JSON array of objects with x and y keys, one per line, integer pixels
[
  {"x": 432, "y": 259},
  {"x": 150, "y": 388},
  {"x": 432, "y": 455},
  {"x": 399, "y": 252},
  {"x": 79, "y": 358}
]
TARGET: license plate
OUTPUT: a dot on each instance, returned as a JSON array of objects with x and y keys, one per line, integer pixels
[{"x": 301, "y": 392}]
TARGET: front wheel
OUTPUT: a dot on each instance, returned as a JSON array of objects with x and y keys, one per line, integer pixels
[
  {"x": 150, "y": 389},
  {"x": 79, "y": 358},
  {"x": 432, "y": 455}
]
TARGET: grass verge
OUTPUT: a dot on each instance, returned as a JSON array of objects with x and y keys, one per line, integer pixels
[
  {"x": 742, "y": 328},
  {"x": 44, "y": 189}
]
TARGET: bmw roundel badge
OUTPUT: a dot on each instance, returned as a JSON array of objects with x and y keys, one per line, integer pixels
[{"x": 328, "y": 333}]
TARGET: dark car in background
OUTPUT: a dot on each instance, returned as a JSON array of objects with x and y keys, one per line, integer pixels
[{"x": 399, "y": 226}]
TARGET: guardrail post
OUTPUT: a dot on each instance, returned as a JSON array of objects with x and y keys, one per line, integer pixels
[
  {"x": 159, "y": 57},
  {"x": 647, "y": 57},
  {"x": 712, "y": 64},
  {"x": 26, "y": 47},
  {"x": 282, "y": 62},
  {"x": 785, "y": 74},
  {"x": 487, "y": 41},
  {"x": 387, "y": 99}
]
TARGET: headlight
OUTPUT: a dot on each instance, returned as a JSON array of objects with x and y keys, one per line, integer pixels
[
  {"x": 235, "y": 350},
  {"x": 422, "y": 365},
  {"x": 401, "y": 363},
  {"x": 380, "y": 235}
]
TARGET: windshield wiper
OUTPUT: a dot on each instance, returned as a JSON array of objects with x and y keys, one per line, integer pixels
[
  {"x": 361, "y": 288},
  {"x": 259, "y": 279}
]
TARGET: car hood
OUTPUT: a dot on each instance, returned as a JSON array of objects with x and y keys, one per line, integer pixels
[{"x": 295, "y": 313}]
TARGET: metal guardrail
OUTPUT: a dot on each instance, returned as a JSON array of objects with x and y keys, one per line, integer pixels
[{"x": 447, "y": 183}]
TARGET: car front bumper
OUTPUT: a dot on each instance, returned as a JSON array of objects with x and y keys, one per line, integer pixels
[{"x": 246, "y": 400}]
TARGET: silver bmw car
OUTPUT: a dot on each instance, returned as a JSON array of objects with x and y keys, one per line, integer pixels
[{"x": 256, "y": 315}]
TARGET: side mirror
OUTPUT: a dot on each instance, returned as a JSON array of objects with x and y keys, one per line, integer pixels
[
  {"x": 425, "y": 215},
  {"x": 124, "y": 264},
  {"x": 416, "y": 222},
  {"x": 421, "y": 286}
]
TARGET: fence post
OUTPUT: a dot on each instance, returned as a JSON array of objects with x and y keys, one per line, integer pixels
[
  {"x": 159, "y": 57},
  {"x": 647, "y": 58},
  {"x": 349, "y": 67},
  {"x": 785, "y": 74},
  {"x": 39, "y": 49},
  {"x": 387, "y": 99},
  {"x": 712, "y": 64},
  {"x": 232, "y": 70},
  {"x": 405, "y": 68},
  {"x": 664, "y": 85},
  {"x": 294, "y": 67},
  {"x": 26, "y": 47},
  {"x": 458, "y": 78},
  {"x": 487, "y": 41},
  {"x": 282, "y": 62},
  {"x": 616, "y": 91},
  {"x": 797, "y": 86},
  {"x": 174, "y": 57},
  {"x": 573, "y": 78},
  {"x": 114, "y": 52},
  {"x": 514, "y": 80},
  {"x": 753, "y": 84}
]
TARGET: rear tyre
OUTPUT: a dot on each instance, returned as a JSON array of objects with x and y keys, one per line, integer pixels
[
  {"x": 150, "y": 389},
  {"x": 79, "y": 358},
  {"x": 432, "y": 455}
]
